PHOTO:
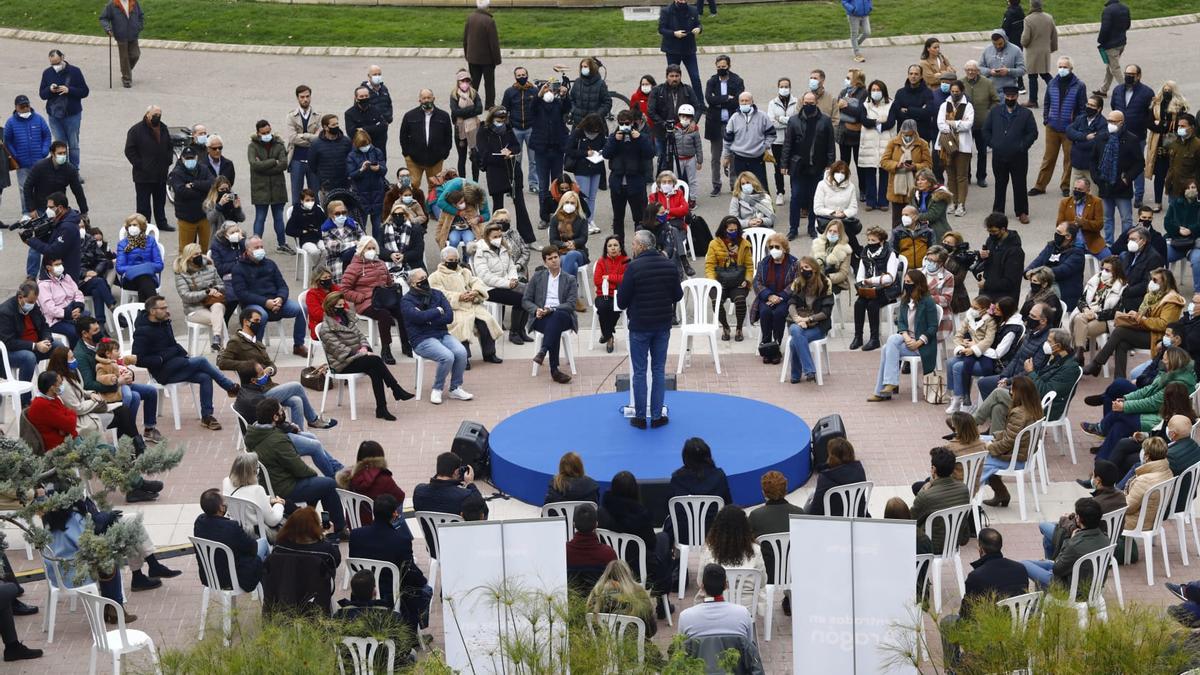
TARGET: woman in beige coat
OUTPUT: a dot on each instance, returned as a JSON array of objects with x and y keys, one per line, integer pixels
[
  {"x": 905, "y": 155},
  {"x": 467, "y": 295},
  {"x": 832, "y": 249},
  {"x": 1154, "y": 469}
]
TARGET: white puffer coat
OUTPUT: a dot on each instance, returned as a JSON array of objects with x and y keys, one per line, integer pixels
[
  {"x": 872, "y": 141},
  {"x": 494, "y": 268},
  {"x": 832, "y": 197}
]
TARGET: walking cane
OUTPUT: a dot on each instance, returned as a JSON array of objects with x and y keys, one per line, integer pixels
[{"x": 110, "y": 60}]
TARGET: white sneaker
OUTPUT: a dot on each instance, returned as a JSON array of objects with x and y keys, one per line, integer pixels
[
  {"x": 962, "y": 210},
  {"x": 593, "y": 229},
  {"x": 460, "y": 394},
  {"x": 435, "y": 396},
  {"x": 967, "y": 408},
  {"x": 955, "y": 405},
  {"x": 779, "y": 199}
]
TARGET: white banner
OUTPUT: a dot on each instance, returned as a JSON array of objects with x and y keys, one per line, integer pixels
[{"x": 853, "y": 583}]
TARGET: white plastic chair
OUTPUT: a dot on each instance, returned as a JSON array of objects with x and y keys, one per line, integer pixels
[
  {"x": 779, "y": 575},
  {"x": 1063, "y": 422},
  {"x": 429, "y": 521},
  {"x": 620, "y": 542},
  {"x": 1185, "y": 491},
  {"x": 952, "y": 522},
  {"x": 744, "y": 586},
  {"x": 584, "y": 283},
  {"x": 13, "y": 387},
  {"x": 55, "y": 588},
  {"x": 923, "y": 561},
  {"x": 567, "y": 351},
  {"x": 566, "y": 509},
  {"x": 195, "y": 331},
  {"x": 1043, "y": 471},
  {"x": 757, "y": 236},
  {"x": 914, "y": 362},
  {"x": 1022, "y": 607},
  {"x": 972, "y": 465},
  {"x": 701, "y": 320},
  {"x": 1114, "y": 523},
  {"x": 352, "y": 504},
  {"x": 615, "y": 626},
  {"x": 377, "y": 567},
  {"x": 309, "y": 342},
  {"x": 129, "y": 313},
  {"x": 265, "y": 477},
  {"x": 247, "y": 514},
  {"x": 206, "y": 551},
  {"x": 119, "y": 641},
  {"x": 688, "y": 245},
  {"x": 363, "y": 654},
  {"x": 850, "y": 496},
  {"x": 420, "y": 374},
  {"x": 349, "y": 379},
  {"x": 887, "y": 314},
  {"x": 819, "y": 349},
  {"x": 1165, "y": 491},
  {"x": 1030, "y": 436},
  {"x": 1098, "y": 561},
  {"x": 695, "y": 510}
]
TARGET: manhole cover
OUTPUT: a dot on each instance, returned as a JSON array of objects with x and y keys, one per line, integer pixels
[{"x": 641, "y": 13}]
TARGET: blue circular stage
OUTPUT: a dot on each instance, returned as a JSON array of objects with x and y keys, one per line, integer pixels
[{"x": 747, "y": 437}]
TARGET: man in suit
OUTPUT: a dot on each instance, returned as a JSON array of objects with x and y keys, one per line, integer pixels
[
  {"x": 248, "y": 554},
  {"x": 942, "y": 492},
  {"x": 648, "y": 292},
  {"x": 425, "y": 138},
  {"x": 381, "y": 540},
  {"x": 994, "y": 578},
  {"x": 550, "y": 298}
]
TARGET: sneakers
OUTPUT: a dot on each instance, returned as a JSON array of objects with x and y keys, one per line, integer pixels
[
  {"x": 460, "y": 394},
  {"x": 1176, "y": 590},
  {"x": 209, "y": 422},
  {"x": 593, "y": 229},
  {"x": 955, "y": 404},
  {"x": 1092, "y": 428},
  {"x": 435, "y": 397},
  {"x": 779, "y": 199},
  {"x": 285, "y": 249},
  {"x": 961, "y": 210},
  {"x": 323, "y": 423}
]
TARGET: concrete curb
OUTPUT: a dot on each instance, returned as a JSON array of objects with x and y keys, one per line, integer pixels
[{"x": 433, "y": 52}]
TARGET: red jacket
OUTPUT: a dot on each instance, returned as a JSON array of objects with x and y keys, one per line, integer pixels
[
  {"x": 360, "y": 280},
  {"x": 640, "y": 101},
  {"x": 677, "y": 204},
  {"x": 372, "y": 482},
  {"x": 614, "y": 269},
  {"x": 315, "y": 299},
  {"x": 53, "y": 420}
]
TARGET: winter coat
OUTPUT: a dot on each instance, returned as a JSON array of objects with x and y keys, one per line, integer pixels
[
  {"x": 493, "y": 267},
  {"x": 780, "y": 112},
  {"x": 1010, "y": 57},
  {"x": 305, "y": 224},
  {"x": 135, "y": 262},
  {"x": 819, "y": 309},
  {"x": 857, "y": 7},
  {"x": 720, "y": 255},
  {"x": 371, "y": 478},
  {"x": 1061, "y": 107},
  {"x": 361, "y": 279},
  {"x": 578, "y": 145},
  {"x": 189, "y": 201},
  {"x": 581, "y": 489},
  {"x": 1129, "y": 164},
  {"x": 1182, "y": 212},
  {"x": 756, "y": 205},
  {"x": 932, "y": 208},
  {"x": 893, "y": 155},
  {"x": 962, "y": 123},
  {"x": 1154, "y": 316},
  {"x": 148, "y": 151},
  {"x": 675, "y": 17},
  {"x": 341, "y": 341},
  {"x": 1137, "y": 110},
  {"x": 465, "y": 109},
  {"x": 976, "y": 334},
  {"x": 225, "y": 256},
  {"x": 327, "y": 159},
  {"x": 628, "y": 157},
  {"x": 1184, "y": 164},
  {"x": 648, "y": 291},
  {"x": 687, "y": 143},
  {"x": 925, "y": 326},
  {"x": 1078, "y": 132},
  {"x": 751, "y": 134},
  {"x": 481, "y": 41},
  {"x": 802, "y": 156},
  {"x": 943, "y": 288},
  {"x": 55, "y": 295},
  {"x": 256, "y": 281},
  {"x": 663, "y": 107},
  {"x": 278, "y": 456},
  {"x": 369, "y": 184},
  {"x": 124, "y": 28},
  {"x": 1010, "y": 133},
  {"x": 549, "y": 132},
  {"x": 983, "y": 97},
  {"x": 721, "y": 107},
  {"x": 244, "y": 356},
  {"x": 831, "y": 197},
  {"x": 498, "y": 169},
  {"x": 155, "y": 347},
  {"x": 46, "y": 178},
  {"x": 518, "y": 101},
  {"x": 917, "y": 104},
  {"x": 1114, "y": 23},
  {"x": 1164, "y": 120},
  {"x": 1105, "y": 306},
  {"x": 268, "y": 162},
  {"x": 1137, "y": 275},
  {"x": 1013, "y": 23},
  {"x": 77, "y": 90},
  {"x": 932, "y": 68},
  {"x": 611, "y": 270},
  {"x": 836, "y": 260},
  {"x": 1145, "y": 477},
  {"x": 372, "y": 118},
  {"x": 452, "y": 284},
  {"x": 589, "y": 94},
  {"x": 832, "y": 477},
  {"x": 339, "y": 238},
  {"x": 1003, "y": 440},
  {"x": 578, "y": 230},
  {"x": 1147, "y": 401},
  {"x": 1039, "y": 40},
  {"x": 1003, "y": 270},
  {"x": 1090, "y": 221},
  {"x": 412, "y": 136},
  {"x": 876, "y": 133},
  {"x": 193, "y": 285},
  {"x": 1067, "y": 265}
]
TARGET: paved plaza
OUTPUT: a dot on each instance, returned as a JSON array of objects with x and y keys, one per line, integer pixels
[{"x": 228, "y": 92}]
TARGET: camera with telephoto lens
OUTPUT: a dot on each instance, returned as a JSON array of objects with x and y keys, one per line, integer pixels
[
  {"x": 30, "y": 228},
  {"x": 965, "y": 258}
]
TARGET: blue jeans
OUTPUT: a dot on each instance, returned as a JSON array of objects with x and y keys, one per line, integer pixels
[
  {"x": 1047, "y": 530},
  {"x": 201, "y": 371},
  {"x": 652, "y": 346},
  {"x": 289, "y": 310},
  {"x": 97, "y": 287},
  {"x": 67, "y": 131},
  {"x": 1040, "y": 571},
  {"x": 1193, "y": 258},
  {"x": 320, "y": 488},
  {"x": 300, "y": 176},
  {"x": 22, "y": 174},
  {"x": 889, "y": 361},
  {"x": 460, "y": 238},
  {"x": 291, "y": 394},
  {"x": 993, "y": 464},
  {"x": 25, "y": 362},
  {"x": 571, "y": 261},
  {"x": 688, "y": 61},
  {"x": 588, "y": 185},
  {"x": 1141, "y": 367},
  {"x": 307, "y": 445},
  {"x": 874, "y": 182},
  {"x": 450, "y": 356},
  {"x": 1116, "y": 426},
  {"x": 523, "y": 138},
  {"x": 1111, "y": 205},
  {"x": 133, "y": 395},
  {"x": 801, "y": 358},
  {"x": 260, "y": 220},
  {"x": 959, "y": 370}
]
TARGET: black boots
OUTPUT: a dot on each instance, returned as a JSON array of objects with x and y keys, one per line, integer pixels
[{"x": 386, "y": 355}]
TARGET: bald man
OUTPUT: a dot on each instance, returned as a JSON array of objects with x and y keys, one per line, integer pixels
[
  {"x": 426, "y": 136},
  {"x": 1116, "y": 162},
  {"x": 148, "y": 149}
]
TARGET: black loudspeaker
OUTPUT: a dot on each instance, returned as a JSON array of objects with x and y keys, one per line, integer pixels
[
  {"x": 827, "y": 428},
  {"x": 471, "y": 444},
  {"x": 655, "y": 495},
  {"x": 623, "y": 382}
]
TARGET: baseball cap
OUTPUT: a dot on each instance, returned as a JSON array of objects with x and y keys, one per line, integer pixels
[{"x": 21, "y": 100}]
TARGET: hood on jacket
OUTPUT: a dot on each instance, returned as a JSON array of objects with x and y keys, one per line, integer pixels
[
  {"x": 831, "y": 184},
  {"x": 363, "y": 474},
  {"x": 943, "y": 194}
]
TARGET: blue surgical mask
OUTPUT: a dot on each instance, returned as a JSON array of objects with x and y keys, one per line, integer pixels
[
  {"x": 259, "y": 253},
  {"x": 945, "y": 88},
  {"x": 189, "y": 164},
  {"x": 813, "y": 83},
  {"x": 1064, "y": 72},
  {"x": 73, "y": 365},
  {"x": 60, "y": 159},
  {"x": 266, "y": 377},
  {"x": 339, "y": 220},
  {"x": 1166, "y": 341},
  {"x": 745, "y": 108},
  {"x": 265, "y": 138},
  {"x": 27, "y": 307},
  {"x": 407, "y": 199}
]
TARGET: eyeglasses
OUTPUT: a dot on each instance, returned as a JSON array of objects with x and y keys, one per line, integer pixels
[
  {"x": 218, "y": 148},
  {"x": 339, "y": 213}
]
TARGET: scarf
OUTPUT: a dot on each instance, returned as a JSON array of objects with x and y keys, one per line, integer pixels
[
  {"x": 138, "y": 241},
  {"x": 903, "y": 180},
  {"x": 1108, "y": 159}
]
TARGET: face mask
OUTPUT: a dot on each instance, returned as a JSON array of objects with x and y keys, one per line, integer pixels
[
  {"x": 1064, "y": 72},
  {"x": 376, "y": 80},
  {"x": 839, "y": 177},
  {"x": 1034, "y": 289},
  {"x": 733, "y": 234},
  {"x": 873, "y": 246},
  {"x": 1181, "y": 132},
  {"x": 498, "y": 125},
  {"x": 522, "y": 81},
  {"x": 808, "y": 109},
  {"x": 807, "y": 274},
  {"x": 785, "y": 91},
  {"x": 235, "y": 237},
  {"x": 155, "y": 119},
  {"x": 339, "y": 220},
  {"x": 62, "y": 388},
  {"x": 362, "y": 103},
  {"x": 745, "y": 108},
  {"x": 685, "y": 122},
  {"x": 747, "y": 189},
  {"x": 907, "y": 288},
  {"x": 1113, "y": 128},
  {"x": 72, "y": 365},
  {"x": 548, "y": 97},
  {"x": 325, "y": 283},
  {"x": 308, "y": 206},
  {"x": 813, "y": 83},
  {"x": 263, "y": 380},
  {"x": 1046, "y": 348},
  {"x": 1191, "y": 308},
  {"x": 259, "y": 253},
  {"x": 568, "y": 208},
  {"x": 945, "y": 88},
  {"x": 646, "y": 88},
  {"x": 265, "y": 138},
  {"x": 1190, "y": 193},
  {"x": 776, "y": 254},
  {"x": 1147, "y": 223},
  {"x": 1132, "y": 246},
  {"x": 930, "y": 267},
  {"x": 370, "y": 254},
  {"x": 58, "y": 68},
  {"x": 585, "y": 71},
  {"x": 906, "y": 220},
  {"x": 60, "y": 159},
  {"x": 1079, "y": 195},
  {"x": 134, "y": 230},
  {"x": 1032, "y": 324},
  {"x": 1059, "y": 240},
  {"x": 198, "y": 260},
  {"x": 722, "y": 72},
  {"x": 1166, "y": 341},
  {"x": 1130, "y": 80},
  {"x": 877, "y": 95},
  {"x": 189, "y": 164},
  {"x": 504, "y": 225},
  {"x": 365, "y": 149},
  {"x": 833, "y": 237},
  {"x": 1106, "y": 277},
  {"x": 908, "y": 138},
  {"x": 27, "y": 307},
  {"x": 428, "y": 105},
  {"x": 25, "y": 115},
  {"x": 57, "y": 270},
  {"x": 1010, "y": 102},
  {"x": 407, "y": 199},
  {"x": 667, "y": 188},
  {"x": 1091, "y": 112},
  {"x": 451, "y": 264},
  {"x": 495, "y": 241},
  {"x": 1152, "y": 287}
]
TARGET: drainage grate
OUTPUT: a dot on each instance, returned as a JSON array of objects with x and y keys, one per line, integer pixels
[{"x": 640, "y": 13}]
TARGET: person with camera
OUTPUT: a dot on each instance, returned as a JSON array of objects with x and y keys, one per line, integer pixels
[
  {"x": 57, "y": 239},
  {"x": 628, "y": 151},
  {"x": 24, "y": 332},
  {"x": 876, "y": 285},
  {"x": 191, "y": 183},
  {"x": 1001, "y": 263},
  {"x": 451, "y": 485}
]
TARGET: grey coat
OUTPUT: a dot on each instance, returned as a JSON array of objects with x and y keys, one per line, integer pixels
[
  {"x": 341, "y": 343},
  {"x": 193, "y": 286},
  {"x": 535, "y": 295},
  {"x": 1010, "y": 57}
]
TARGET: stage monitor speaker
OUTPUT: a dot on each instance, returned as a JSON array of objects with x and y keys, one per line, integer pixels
[
  {"x": 655, "y": 495},
  {"x": 826, "y": 429},
  {"x": 623, "y": 382},
  {"x": 471, "y": 444}
]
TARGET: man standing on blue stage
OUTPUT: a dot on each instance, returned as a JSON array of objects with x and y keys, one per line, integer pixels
[{"x": 648, "y": 292}]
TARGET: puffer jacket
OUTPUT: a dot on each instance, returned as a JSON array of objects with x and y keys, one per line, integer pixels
[
  {"x": 267, "y": 161},
  {"x": 1147, "y": 401},
  {"x": 1156, "y": 313},
  {"x": 54, "y": 294},
  {"x": 757, "y": 205},
  {"x": 779, "y": 113},
  {"x": 243, "y": 356},
  {"x": 193, "y": 286},
  {"x": 1145, "y": 477},
  {"x": 426, "y": 315},
  {"x": 831, "y": 197},
  {"x": 360, "y": 280},
  {"x": 494, "y": 267},
  {"x": 912, "y": 243},
  {"x": 876, "y": 133},
  {"x": 257, "y": 281},
  {"x": 370, "y": 185},
  {"x": 28, "y": 140},
  {"x": 225, "y": 256},
  {"x": 452, "y": 284},
  {"x": 549, "y": 132},
  {"x": 688, "y": 142},
  {"x": 1003, "y": 440},
  {"x": 1067, "y": 266},
  {"x": 370, "y": 477},
  {"x": 341, "y": 342},
  {"x": 1062, "y": 107},
  {"x": 136, "y": 262},
  {"x": 836, "y": 260},
  {"x": 589, "y": 94}
]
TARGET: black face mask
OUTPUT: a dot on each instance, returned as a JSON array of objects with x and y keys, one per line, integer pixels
[
  {"x": 325, "y": 283},
  {"x": 198, "y": 261},
  {"x": 362, "y": 103},
  {"x": 807, "y": 274},
  {"x": 722, "y": 72},
  {"x": 1059, "y": 240},
  {"x": 452, "y": 264},
  {"x": 1079, "y": 195},
  {"x": 1034, "y": 289},
  {"x": 1147, "y": 223},
  {"x": 522, "y": 81},
  {"x": 809, "y": 108},
  {"x": 1033, "y": 325},
  {"x": 1130, "y": 80},
  {"x": 1010, "y": 102},
  {"x": 422, "y": 285},
  {"x": 504, "y": 225},
  {"x": 908, "y": 288},
  {"x": 873, "y": 247},
  {"x": 155, "y": 119},
  {"x": 1091, "y": 112}
]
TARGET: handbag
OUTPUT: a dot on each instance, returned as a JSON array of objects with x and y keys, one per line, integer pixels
[
  {"x": 210, "y": 300},
  {"x": 935, "y": 387},
  {"x": 385, "y": 298},
  {"x": 731, "y": 276},
  {"x": 948, "y": 140},
  {"x": 866, "y": 292},
  {"x": 313, "y": 377},
  {"x": 1126, "y": 321}
]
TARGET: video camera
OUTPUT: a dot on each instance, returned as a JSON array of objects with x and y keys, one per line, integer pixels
[
  {"x": 29, "y": 228},
  {"x": 967, "y": 259}
]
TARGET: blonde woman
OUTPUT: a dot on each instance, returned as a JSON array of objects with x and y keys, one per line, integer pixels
[
  {"x": 833, "y": 250},
  {"x": 466, "y": 294},
  {"x": 202, "y": 291},
  {"x": 850, "y": 103},
  {"x": 1098, "y": 306},
  {"x": 220, "y": 206},
  {"x": 569, "y": 232},
  {"x": 339, "y": 237},
  {"x": 873, "y": 140},
  {"x": 465, "y": 109},
  {"x": 616, "y": 592},
  {"x": 242, "y": 482},
  {"x": 750, "y": 203},
  {"x": 1165, "y": 110}
]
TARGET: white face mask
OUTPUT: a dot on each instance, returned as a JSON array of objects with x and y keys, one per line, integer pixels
[
  {"x": 259, "y": 253},
  {"x": 585, "y": 71},
  {"x": 747, "y": 189},
  {"x": 1064, "y": 72},
  {"x": 1132, "y": 246},
  {"x": 370, "y": 254},
  {"x": 776, "y": 253},
  {"x": 58, "y": 68},
  {"x": 25, "y": 115},
  {"x": 1112, "y": 128},
  {"x": 839, "y": 177},
  {"x": 377, "y": 80},
  {"x": 235, "y": 237},
  {"x": 339, "y": 220},
  {"x": 134, "y": 230},
  {"x": 877, "y": 95},
  {"x": 1191, "y": 309},
  {"x": 972, "y": 314},
  {"x": 1046, "y": 348},
  {"x": 667, "y": 188},
  {"x": 1106, "y": 277},
  {"x": 785, "y": 91},
  {"x": 846, "y": 82},
  {"x": 1167, "y": 341},
  {"x": 906, "y": 220},
  {"x": 496, "y": 241},
  {"x": 1153, "y": 287},
  {"x": 646, "y": 88},
  {"x": 57, "y": 270},
  {"x": 548, "y": 97},
  {"x": 568, "y": 208},
  {"x": 307, "y": 205}
]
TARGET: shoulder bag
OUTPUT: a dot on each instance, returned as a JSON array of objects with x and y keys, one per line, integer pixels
[
  {"x": 948, "y": 140},
  {"x": 935, "y": 387}
]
